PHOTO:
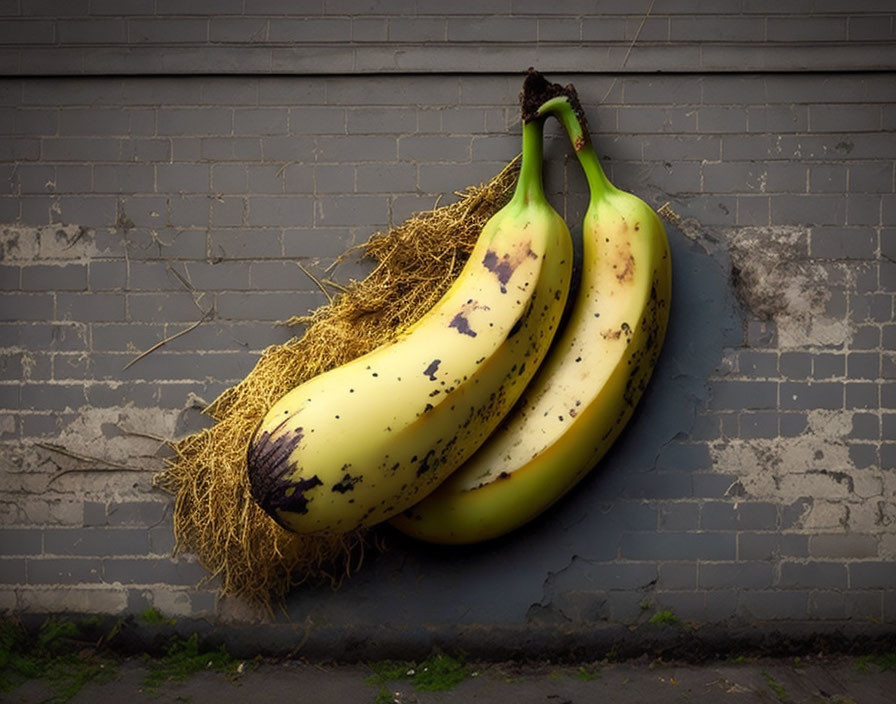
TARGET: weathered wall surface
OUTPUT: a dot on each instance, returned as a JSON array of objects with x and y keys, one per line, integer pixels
[{"x": 756, "y": 483}]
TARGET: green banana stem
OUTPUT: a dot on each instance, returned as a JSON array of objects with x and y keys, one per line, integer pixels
[
  {"x": 530, "y": 186},
  {"x": 563, "y": 109}
]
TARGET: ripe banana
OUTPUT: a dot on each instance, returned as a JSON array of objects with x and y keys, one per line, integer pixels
[
  {"x": 588, "y": 386},
  {"x": 366, "y": 440}
]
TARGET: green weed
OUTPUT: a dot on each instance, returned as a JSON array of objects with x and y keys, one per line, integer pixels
[
  {"x": 666, "y": 617},
  {"x": 438, "y": 673},
  {"x": 586, "y": 674},
  {"x": 154, "y": 617},
  {"x": 184, "y": 658},
  {"x": 57, "y": 654},
  {"x": 882, "y": 662},
  {"x": 777, "y": 688}
]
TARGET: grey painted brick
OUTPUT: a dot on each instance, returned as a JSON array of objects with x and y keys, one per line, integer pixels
[
  {"x": 796, "y": 365},
  {"x": 678, "y": 546},
  {"x": 172, "y": 306},
  {"x": 230, "y": 149},
  {"x": 679, "y": 515},
  {"x": 867, "y": 426},
  {"x": 43, "y": 335},
  {"x": 742, "y": 575},
  {"x": 161, "y": 540},
  {"x": 123, "y": 178},
  {"x": 64, "y": 571},
  {"x": 871, "y": 177},
  {"x": 370, "y": 120},
  {"x": 772, "y": 605},
  {"x": 12, "y": 570},
  {"x": 152, "y": 571},
  {"x": 331, "y": 178},
  {"x": 835, "y": 604},
  {"x": 771, "y": 545},
  {"x": 52, "y": 396},
  {"x": 828, "y": 395},
  {"x": 807, "y": 210},
  {"x": 607, "y": 576},
  {"x": 240, "y": 243},
  {"x": 89, "y": 122},
  {"x": 83, "y": 149},
  {"x": 238, "y": 29},
  {"x": 744, "y": 395},
  {"x": 872, "y": 575},
  {"x": 386, "y": 178},
  {"x": 173, "y": 365},
  {"x": 267, "y": 276},
  {"x": 311, "y": 29},
  {"x": 189, "y": 211},
  {"x": 94, "y": 514},
  {"x": 227, "y": 211},
  {"x": 261, "y": 121},
  {"x": 137, "y": 513},
  {"x": 91, "y": 307},
  {"x": 758, "y": 363},
  {"x": 310, "y": 120},
  {"x": 95, "y": 541},
  {"x": 888, "y": 366},
  {"x": 106, "y": 275},
  {"x": 26, "y": 306},
  {"x": 657, "y": 485},
  {"x": 88, "y": 211},
  {"x": 265, "y": 179},
  {"x": 183, "y": 178},
  {"x": 20, "y": 541},
  {"x": 758, "y": 425},
  {"x": 26, "y": 31},
  {"x": 826, "y": 365},
  {"x": 438, "y": 148},
  {"x": 786, "y": 177},
  {"x": 827, "y": 178},
  {"x": 863, "y": 365},
  {"x": 167, "y": 30},
  {"x": 843, "y": 243},
  {"x": 813, "y": 575},
  {"x": 888, "y": 456},
  {"x": 146, "y": 149},
  {"x": 351, "y": 210},
  {"x": 844, "y": 118},
  {"x": 777, "y": 119},
  {"x": 69, "y": 277},
  {"x": 862, "y": 395},
  {"x": 230, "y": 178},
  {"x": 838, "y": 545},
  {"x": 266, "y": 306},
  {"x": 273, "y": 211},
  {"x": 206, "y": 276},
  {"x": 677, "y": 575},
  {"x": 684, "y": 457},
  {"x": 863, "y": 209}
]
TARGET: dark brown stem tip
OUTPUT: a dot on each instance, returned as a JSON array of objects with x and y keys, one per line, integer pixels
[{"x": 537, "y": 90}]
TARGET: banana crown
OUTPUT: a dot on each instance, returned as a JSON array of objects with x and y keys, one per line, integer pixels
[{"x": 591, "y": 380}]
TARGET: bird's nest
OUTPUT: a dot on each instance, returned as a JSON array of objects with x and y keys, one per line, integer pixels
[{"x": 215, "y": 517}]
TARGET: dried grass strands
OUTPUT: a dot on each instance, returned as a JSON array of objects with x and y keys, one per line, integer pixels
[{"x": 214, "y": 515}]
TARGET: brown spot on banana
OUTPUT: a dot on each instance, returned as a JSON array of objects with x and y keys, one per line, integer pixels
[{"x": 503, "y": 266}]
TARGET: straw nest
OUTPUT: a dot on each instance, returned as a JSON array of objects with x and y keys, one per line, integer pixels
[{"x": 215, "y": 517}]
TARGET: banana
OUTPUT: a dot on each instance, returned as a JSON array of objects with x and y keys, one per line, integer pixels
[
  {"x": 588, "y": 386},
  {"x": 366, "y": 440}
]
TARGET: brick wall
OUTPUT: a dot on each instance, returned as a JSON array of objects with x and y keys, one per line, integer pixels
[{"x": 756, "y": 482}]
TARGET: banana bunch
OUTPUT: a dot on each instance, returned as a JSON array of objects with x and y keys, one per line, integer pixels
[
  {"x": 587, "y": 387},
  {"x": 365, "y": 441}
]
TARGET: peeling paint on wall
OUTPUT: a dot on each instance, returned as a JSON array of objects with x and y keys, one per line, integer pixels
[
  {"x": 51, "y": 242},
  {"x": 774, "y": 280},
  {"x": 814, "y": 467}
]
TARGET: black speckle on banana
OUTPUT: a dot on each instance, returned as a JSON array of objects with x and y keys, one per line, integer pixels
[
  {"x": 365, "y": 441},
  {"x": 587, "y": 387}
]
